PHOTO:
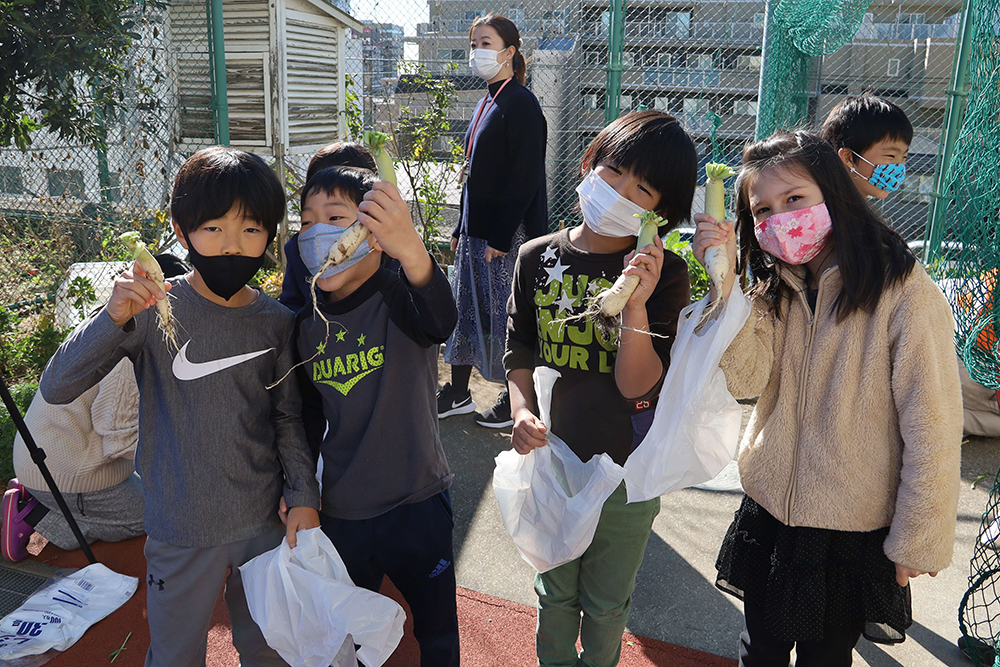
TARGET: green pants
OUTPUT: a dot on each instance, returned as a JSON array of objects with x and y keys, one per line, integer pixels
[{"x": 598, "y": 585}]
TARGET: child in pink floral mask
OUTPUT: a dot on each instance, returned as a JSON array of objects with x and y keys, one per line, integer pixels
[{"x": 850, "y": 462}]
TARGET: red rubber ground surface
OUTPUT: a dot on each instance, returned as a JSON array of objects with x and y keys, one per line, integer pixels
[{"x": 495, "y": 632}]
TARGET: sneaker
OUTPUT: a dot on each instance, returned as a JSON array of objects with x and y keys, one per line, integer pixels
[
  {"x": 976, "y": 649},
  {"x": 499, "y": 415},
  {"x": 452, "y": 402},
  {"x": 16, "y": 532}
]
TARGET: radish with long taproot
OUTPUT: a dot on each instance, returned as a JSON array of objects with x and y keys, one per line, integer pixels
[
  {"x": 351, "y": 240},
  {"x": 605, "y": 307},
  {"x": 716, "y": 257},
  {"x": 151, "y": 267}
]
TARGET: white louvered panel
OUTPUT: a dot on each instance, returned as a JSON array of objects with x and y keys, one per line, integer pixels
[
  {"x": 312, "y": 79},
  {"x": 246, "y": 80},
  {"x": 247, "y": 27}
]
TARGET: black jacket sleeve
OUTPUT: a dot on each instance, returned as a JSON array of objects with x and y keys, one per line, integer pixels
[
  {"x": 295, "y": 285},
  {"x": 525, "y": 135}
]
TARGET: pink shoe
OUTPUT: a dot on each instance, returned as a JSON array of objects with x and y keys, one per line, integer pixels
[{"x": 16, "y": 532}]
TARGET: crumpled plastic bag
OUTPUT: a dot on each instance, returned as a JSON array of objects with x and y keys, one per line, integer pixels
[
  {"x": 306, "y": 605},
  {"x": 549, "y": 499},
  {"x": 59, "y": 613},
  {"x": 696, "y": 428}
]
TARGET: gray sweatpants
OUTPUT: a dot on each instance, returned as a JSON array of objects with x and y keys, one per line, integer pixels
[
  {"x": 182, "y": 585},
  {"x": 110, "y": 515}
]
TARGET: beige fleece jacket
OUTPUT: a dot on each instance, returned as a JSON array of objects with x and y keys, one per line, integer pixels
[
  {"x": 89, "y": 443},
  {"x": 859, "y": 423}
]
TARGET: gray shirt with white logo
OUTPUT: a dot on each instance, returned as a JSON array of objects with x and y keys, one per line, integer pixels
[{"x": 216, "y": 448}]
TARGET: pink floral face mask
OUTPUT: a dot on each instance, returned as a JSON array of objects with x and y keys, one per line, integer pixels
[{"x": 795, "y": 237}]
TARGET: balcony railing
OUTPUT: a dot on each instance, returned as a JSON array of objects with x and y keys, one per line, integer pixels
[
  {"x": 906, "y": 31},
  {"x": 462, "y": 26},
  {"x": 682, "y": 78},
  {"x": 674, "y": 29}
]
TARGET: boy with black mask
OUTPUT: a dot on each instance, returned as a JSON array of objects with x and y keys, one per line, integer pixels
[{"x": 217, "y": 449}]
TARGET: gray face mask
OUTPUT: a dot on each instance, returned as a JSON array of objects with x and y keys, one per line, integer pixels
[{"x": 315, "y": 244}]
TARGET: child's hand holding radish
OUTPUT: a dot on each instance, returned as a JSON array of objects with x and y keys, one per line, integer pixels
[
  {"x": 645, "y": 264},
  {"x": 384, "y": 213},
  {"x": 133, "y": 293},
  {"x": 709, "y": 233}
]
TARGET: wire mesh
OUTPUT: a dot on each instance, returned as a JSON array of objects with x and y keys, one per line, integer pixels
[{"x": 699, "y": 60}]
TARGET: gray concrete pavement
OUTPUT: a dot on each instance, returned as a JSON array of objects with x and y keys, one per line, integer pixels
[{"x": 675, "y": 599}]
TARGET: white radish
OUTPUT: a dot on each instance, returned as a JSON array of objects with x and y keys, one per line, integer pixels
[
  {"x": 605, "y": 307},
  {"x": 717, "y": 256},
  {"x": 141, "y": 254}
]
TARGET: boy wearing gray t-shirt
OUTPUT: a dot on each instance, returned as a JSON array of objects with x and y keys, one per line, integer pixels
[{"x": 217, "y": 449}]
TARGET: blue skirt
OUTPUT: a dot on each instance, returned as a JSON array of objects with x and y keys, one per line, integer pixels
[{"x": 481, "y": 292}]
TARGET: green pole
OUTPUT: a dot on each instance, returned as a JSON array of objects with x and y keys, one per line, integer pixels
[
  {"x": 612, "y": 98},
  {"x": 220, "y": 96},
  {"x": 957, "y": 97},
  {"x": 765, "y": 104}
]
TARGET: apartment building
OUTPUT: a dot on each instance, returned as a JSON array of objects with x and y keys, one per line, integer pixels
[{"x": 700, "y": 60}]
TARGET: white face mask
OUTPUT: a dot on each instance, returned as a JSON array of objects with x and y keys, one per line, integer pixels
[
  {"x": 605, "y": 211},
  {"x": 484, "y": 63}
]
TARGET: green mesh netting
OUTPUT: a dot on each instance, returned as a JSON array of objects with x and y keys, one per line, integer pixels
[
  {"x": 798, "y": 31},
  {"x": 970, "y": 257},
  {"x": 972, "y": 186}
]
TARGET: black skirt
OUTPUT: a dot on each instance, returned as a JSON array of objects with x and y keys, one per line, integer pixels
[{"x": 811, "y": 581}]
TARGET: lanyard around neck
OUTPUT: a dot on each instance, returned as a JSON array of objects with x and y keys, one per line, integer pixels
[{"x": 482, "y": 114}]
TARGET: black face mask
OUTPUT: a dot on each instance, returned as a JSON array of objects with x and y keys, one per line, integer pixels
[{"x": 224, "y": 275}]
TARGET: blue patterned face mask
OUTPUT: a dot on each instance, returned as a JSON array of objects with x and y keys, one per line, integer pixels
[
  {"x": 885, "y": 177},
  {"x": 315, "y": 244}
]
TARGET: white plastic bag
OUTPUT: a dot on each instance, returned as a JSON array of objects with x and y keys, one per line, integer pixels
[
  {"x": 56, "y": 616},
  {"x": 549, "y": 499},
  {"x": 696, "y": 428},
  {"x": 306, "y": 605}
]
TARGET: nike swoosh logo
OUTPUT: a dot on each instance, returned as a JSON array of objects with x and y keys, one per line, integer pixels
[
  {"x": 184, "y": 369},
  {"x": 455, "y": 404}
]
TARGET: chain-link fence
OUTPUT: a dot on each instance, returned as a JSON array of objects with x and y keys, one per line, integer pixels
[
  {"x": 699, "y": 60},
  {"x": 406, "y": 70}
]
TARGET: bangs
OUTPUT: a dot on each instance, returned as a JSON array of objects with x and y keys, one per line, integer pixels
[
  {"x": 214, "y": 180},
  {"x": 655, "y": 148}
]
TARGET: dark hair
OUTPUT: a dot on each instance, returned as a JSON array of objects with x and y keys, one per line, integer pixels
[
  {"x": 511, "y": 37},
  {"x": 860, "y": 122},
  {"x": 341, "y": 154},
  {"x": 348, "y": 181},
  {"x": 871, "y": 256},
  {"x": 215, "y": 179},
  {"x": 654, "y": 147}
]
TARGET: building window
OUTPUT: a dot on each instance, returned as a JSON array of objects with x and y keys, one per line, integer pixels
[
  {"x": 66, "y": 183},
  {"x": 593, "y": 101},
  {"x": 10, "y": 181},
  {"x": 668, "y": 59},
  {"x": 892, "y": 69},
  {"x": 451, "y": 54},
  {"x": 593, "y": 57},
  {"x": 911, "y": 19},
  {"x": 701, "y": 61},
  {"x": 749, "y": 63},
  {"x": 628, "y": 59},
  {"x": 472, "y": 16},
  {"x": 694, "y": 105},
  {"x": 745, "y": 107},
  {"x": 662, "y": 103},
  {"x": 758, "y": 18},
  {"x": 625, "y": 102}
]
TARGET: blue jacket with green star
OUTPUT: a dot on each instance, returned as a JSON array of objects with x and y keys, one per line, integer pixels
[{"x": 370, "y": 393}]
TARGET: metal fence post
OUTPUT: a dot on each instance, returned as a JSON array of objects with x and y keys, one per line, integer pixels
[
  {"x": 616, "y": 40},
  {"x": 958, "y": 94},
  {"x": 217, "y": 47}
]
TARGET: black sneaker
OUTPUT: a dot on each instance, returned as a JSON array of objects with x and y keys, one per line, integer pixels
[
  {"x": 499, "y": 415},
  {"x": 977, "y": 649},
  {"x": 452, "y": 402}
]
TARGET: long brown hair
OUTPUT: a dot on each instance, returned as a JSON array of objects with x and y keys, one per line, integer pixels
[
  {"x": 511, "y": 37},
  {"x": 872, "y": 256}
]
